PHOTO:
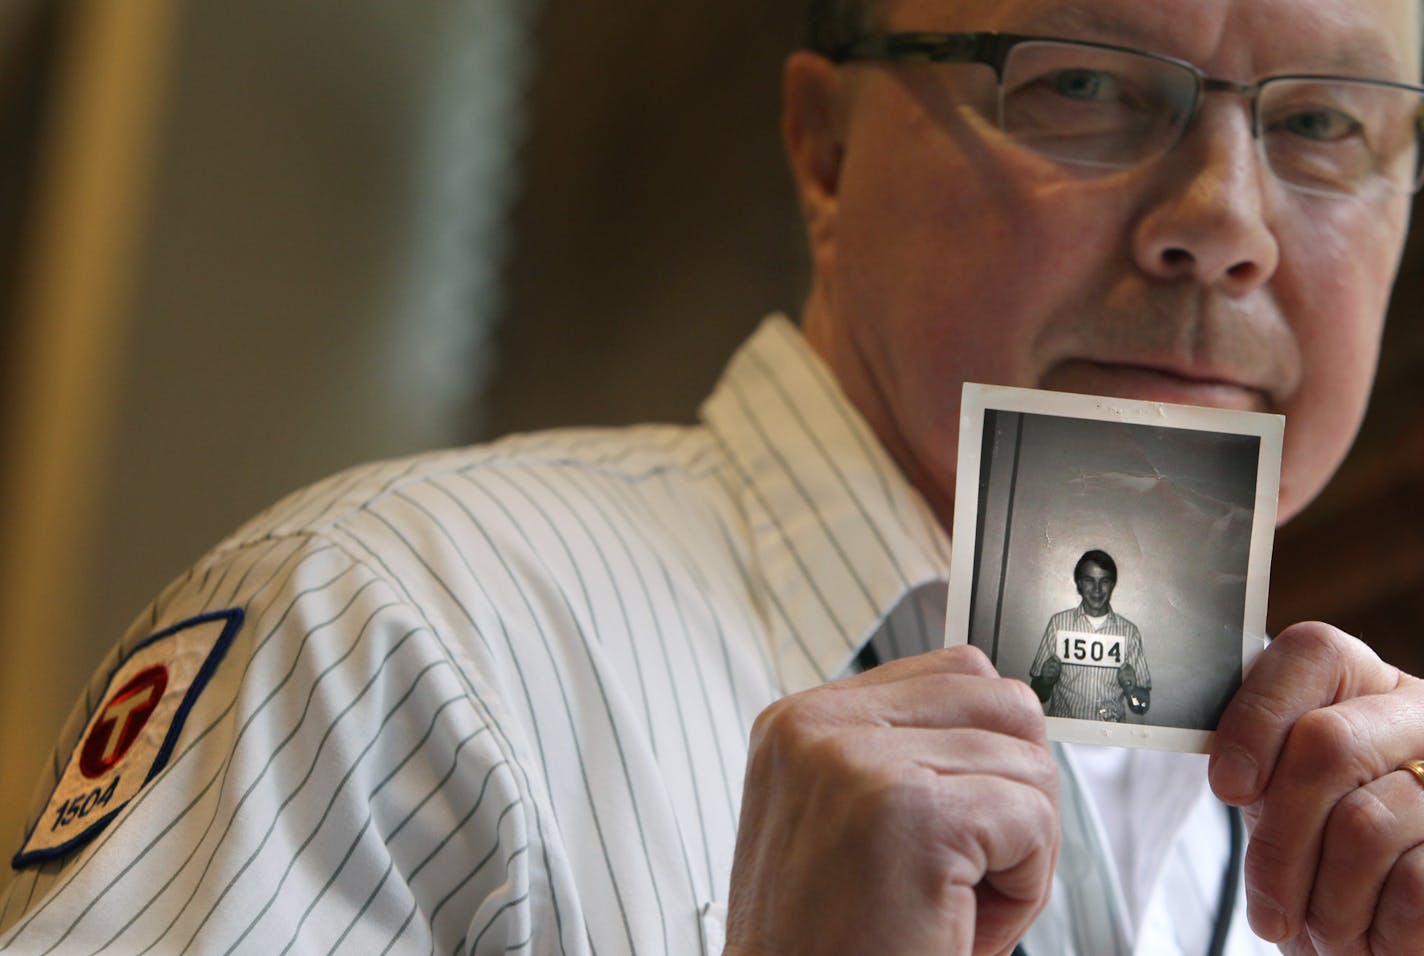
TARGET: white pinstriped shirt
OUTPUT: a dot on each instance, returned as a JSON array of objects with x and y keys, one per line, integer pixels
[
  {"x": 498, "y": 699},
  {"x": 1084, "y": 691}
]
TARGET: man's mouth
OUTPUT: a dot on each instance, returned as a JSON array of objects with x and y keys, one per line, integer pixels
[{"x": 1152, "y": 383}]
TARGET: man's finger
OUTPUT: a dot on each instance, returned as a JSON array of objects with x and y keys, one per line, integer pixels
[
  {"x": 1367, "y": 834},
  {"x": 1013, "y": 849},
  {"x": 1330, "y": 753},
  {"x": 964, "y": 750},
  {"x": 1399, "y": 920},
  {"x": 961, "y": 659},
  {"x": 1308, "y": 667},
  {"x": 941, "y": 689},
  {"x": 1319, "y": 717}
]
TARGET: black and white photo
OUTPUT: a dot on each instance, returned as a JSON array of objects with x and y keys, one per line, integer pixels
[{"x": 1115, "y": 555}]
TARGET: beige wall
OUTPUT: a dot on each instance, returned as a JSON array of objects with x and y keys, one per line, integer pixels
[
  {"x": 657, "y": 225},
  {"x": 266, "y": 248},
  {"x": 69, "y": 330}
]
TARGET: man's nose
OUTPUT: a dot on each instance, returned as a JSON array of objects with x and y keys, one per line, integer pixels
[{"x": 1208, "y": 214}]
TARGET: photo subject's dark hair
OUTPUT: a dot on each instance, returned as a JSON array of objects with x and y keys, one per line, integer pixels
[
  {"x": 1101, "y": 558},
  {"x": 832, "y": 24}
]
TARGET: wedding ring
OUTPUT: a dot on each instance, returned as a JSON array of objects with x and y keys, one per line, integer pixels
[{"x": 1415, "y": 767}]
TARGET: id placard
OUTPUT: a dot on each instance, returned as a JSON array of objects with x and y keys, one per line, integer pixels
[{"x": 1089, "y": 648}]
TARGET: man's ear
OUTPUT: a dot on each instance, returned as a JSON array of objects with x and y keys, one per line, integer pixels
[{"x": 813, "y": 113}]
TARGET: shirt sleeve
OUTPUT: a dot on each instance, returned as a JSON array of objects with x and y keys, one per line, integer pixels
[
  {"x": 338, "y": 785},
  {"x": 1138, "y": 657},
  {"x": 1045, "y": 647}
]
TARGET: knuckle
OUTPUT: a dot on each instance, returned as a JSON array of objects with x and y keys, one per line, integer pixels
[
  {"x": 1022, "y": 713},
  {"x": 1012, "y": 807},
  {"x": 1400, "y": 915},
  {"x": 1015, "y": 826},
  {"x": 904, "y": 807},
  {"x": 944, "y": 684},
  {"x": 766, "y": 723},
  {"x": 836, "y": 756},
  {"x": 785, "y": 724},
  {"x": 904, "y": 798},
  {"x": 1019, "y": 695},
  {"x": 963, "y": 659},
  {"x": 797, "y": 739},
  {"x": 1325, "y": 927},
  {"x": 1251, "y": 707},
  {"x": 1044, "y": 800},
  {"x": 1363, "y": 823},
  {"x": 1003, "y": 704},
  {"x": 1044, "y": 776},
  {"x": 1324, "y": 744},
  {"x": 1332, "y": 927},
  {"x": 1312, "y": 640},
  {"x": 1410, "y": 870},
  {"x": 1390, "y": 945},
  {"x": 1267, "y": 855}
]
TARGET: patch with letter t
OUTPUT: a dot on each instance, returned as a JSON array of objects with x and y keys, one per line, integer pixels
[{"x": 131, "y": 734}]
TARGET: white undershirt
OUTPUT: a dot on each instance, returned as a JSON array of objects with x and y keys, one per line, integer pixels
[{"x": 1119, "y": 780}]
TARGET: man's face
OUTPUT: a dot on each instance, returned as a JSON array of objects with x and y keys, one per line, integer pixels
[
  {"x": 946, "y": 254},
  {"x": 1095, "y": 587}
]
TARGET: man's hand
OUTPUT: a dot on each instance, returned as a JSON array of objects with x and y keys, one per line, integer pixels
[
  {"x": 1127, "y": 677},
  {"x": 1309, "y": 746},
  {"x": 1138, "y": 698},
  {"x": 909, "y": 809},
  {"x": 1047, "y": 679}
]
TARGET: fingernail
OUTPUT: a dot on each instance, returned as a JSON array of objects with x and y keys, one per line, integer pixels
[
  {"x": 1266, "y": 919},
  {"x": 1233, "y": 776}
]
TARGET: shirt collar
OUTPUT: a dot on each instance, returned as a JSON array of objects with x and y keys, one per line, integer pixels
[
  {"x": 1111, "y": 617},
  {"x": 840, "y": 537}
]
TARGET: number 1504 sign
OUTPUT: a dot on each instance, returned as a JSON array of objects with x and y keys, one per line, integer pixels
[{"x": 1090, "y": 648}]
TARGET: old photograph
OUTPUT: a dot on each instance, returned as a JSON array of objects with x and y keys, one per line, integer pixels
[{"x": 1115, "y": 555}]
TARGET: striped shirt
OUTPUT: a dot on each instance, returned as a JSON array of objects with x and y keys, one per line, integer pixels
[
  {"x": 1089, "y": 691},
  {"x": 498, "y": 699}
]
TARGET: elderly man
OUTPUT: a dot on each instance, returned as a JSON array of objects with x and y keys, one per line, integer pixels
[{"x": 578, "y": 692}]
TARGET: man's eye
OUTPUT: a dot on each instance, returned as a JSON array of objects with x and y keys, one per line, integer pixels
[
  {"x": 1323, "y": 125},
  {"x": 1085, "y": 84}
]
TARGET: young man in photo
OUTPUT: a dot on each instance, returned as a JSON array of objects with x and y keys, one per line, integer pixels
[{"x": 1090, "y": 664}]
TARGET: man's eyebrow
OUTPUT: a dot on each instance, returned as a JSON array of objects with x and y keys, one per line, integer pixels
[
  {"x": 1366, "y": 56},
  {"x": 1359, "y": 54},
  {"x": 1074, "y": 21}
]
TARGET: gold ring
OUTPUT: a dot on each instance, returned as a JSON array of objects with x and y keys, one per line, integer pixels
[{"x": 1415, "y": 767}]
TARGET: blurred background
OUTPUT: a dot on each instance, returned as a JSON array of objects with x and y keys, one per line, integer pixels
[{"x": 244, "y": 245}]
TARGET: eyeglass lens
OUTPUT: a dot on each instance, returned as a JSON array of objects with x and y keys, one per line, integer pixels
[{"x": 1114, "y": 108}]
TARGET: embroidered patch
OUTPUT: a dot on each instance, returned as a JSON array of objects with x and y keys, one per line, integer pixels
[{"x": 131, "y": 734}]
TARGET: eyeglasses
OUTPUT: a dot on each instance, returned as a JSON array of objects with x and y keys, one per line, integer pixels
[{"x": 1095, "y": 104}]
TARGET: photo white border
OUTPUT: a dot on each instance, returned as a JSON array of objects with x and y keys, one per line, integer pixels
[{"x": 1270, "y": 429}]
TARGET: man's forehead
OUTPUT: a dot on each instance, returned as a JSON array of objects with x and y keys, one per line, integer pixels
[{"x": 1356, "y": 37}]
